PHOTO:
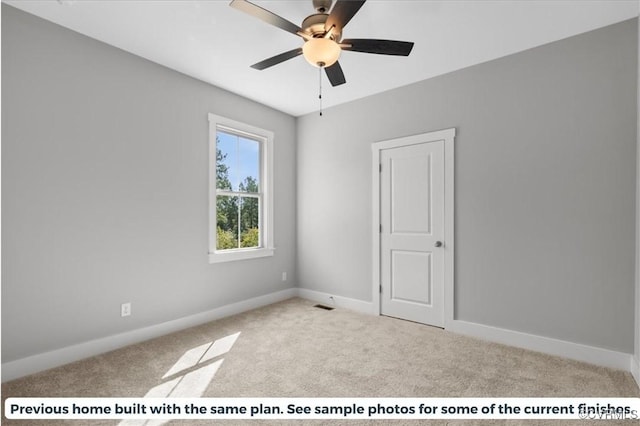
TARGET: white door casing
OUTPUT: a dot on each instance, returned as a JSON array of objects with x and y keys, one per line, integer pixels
[{"x": 413, "y": 221}]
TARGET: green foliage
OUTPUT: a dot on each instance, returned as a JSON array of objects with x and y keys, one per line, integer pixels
[
  {"x": 222, "y": 171},
  {"x": 249, "y": 185},
  {"x": 250, "y": 238},
  {"x": 226, "y": 207},
  {"x": 227, "y": 213},
  {"x": 226, "y": 240}
]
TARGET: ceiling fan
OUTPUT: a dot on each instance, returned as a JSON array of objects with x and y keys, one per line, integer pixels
[{"x": 322, "y": 34}]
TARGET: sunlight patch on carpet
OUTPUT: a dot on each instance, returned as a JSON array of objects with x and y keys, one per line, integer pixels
[
  {"x": 202, "y": 353},
  {"x": 191, "y": 384}
]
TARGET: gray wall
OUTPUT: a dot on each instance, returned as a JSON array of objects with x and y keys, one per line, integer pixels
[
  {"x": 105, "y": 191},
  {"x": 545, "y": 187},
  {"x": 637, "y": 327}
]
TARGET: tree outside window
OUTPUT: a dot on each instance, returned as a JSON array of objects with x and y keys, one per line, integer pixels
[{"x": 238, "y": 192}]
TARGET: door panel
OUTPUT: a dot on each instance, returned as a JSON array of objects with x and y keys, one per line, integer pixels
[
  {"x": 410, "y": 270},
  {"x": 405, "y": 202},
  {"x": 412, "y": 220}
]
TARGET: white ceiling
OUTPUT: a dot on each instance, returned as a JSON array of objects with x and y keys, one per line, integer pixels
[{"x": 215, "y": 43}]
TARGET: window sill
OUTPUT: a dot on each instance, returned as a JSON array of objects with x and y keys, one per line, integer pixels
[{"x": 242, "y": 254}]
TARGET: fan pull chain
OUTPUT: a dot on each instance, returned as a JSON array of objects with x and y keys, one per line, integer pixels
[{"x": 320, "y": 88}]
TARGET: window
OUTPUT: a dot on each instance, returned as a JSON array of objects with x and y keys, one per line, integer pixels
[{"x": 240, "y": 208}]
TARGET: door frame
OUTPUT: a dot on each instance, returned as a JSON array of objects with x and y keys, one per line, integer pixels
[{"x": 448, "y": 136}]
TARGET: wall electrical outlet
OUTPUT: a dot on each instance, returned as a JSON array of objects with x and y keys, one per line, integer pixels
[
  {"x": 125, "y": 309},
  {"x": 284, "y": 276}
]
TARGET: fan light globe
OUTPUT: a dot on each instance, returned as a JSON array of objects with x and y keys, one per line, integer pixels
[{"x": 321, "y": 52}]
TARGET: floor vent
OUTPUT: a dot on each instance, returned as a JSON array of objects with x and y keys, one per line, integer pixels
[{"x": 326, "y": 308}]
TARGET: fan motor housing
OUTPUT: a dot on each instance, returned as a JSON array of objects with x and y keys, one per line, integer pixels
[{"x": 314, "y": 26}]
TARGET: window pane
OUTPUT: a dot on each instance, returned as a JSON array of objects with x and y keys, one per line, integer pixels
[
  {"x": 237, "y": 163},
  {"x": 227, "y": 220},
  {"x": 249, "y": 222},
  {"x": 248, "y": 165},
  {"x": 226, "y": 161}
]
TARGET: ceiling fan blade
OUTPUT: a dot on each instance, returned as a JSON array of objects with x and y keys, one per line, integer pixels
[
  {"x": 342, "y": 13},
  {"x": 265, "y": 16},
  {"x": 335, "y": 74},
  {"x": 381, "y": 47},
  {"x": 275, "y": 60}
]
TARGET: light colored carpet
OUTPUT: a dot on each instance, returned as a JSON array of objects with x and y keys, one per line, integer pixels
[{"x": 291, "y": 349}]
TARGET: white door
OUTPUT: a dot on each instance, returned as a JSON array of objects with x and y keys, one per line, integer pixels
[{"x": 412, "y": 260}]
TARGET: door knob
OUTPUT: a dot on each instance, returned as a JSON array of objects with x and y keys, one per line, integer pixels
[{"x": 438, "y": 244}]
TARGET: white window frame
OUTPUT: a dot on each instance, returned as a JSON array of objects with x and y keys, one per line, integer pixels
[{"x": 265, "y": 138}]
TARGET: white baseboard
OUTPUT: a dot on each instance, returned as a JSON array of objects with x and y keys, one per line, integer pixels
[
  {"x": 576, "y": 351},
  {"x": 635, "y": 369},
  {"x": 337, "y": 301},
  {"x": 33, "y": 364},
  {"x": 547, "y": 345}
]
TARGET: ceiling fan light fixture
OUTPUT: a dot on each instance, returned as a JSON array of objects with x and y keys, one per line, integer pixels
[{"x": 321, "y": 52}]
